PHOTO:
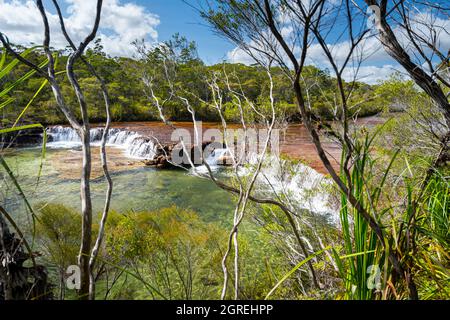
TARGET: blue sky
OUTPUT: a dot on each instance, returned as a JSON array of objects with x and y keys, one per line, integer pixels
[
  {"x": 124, "y": 21},
  {"x": 177, "y": 16}
]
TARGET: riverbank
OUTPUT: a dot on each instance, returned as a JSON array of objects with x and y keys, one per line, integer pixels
[{"x": 295, "y": 142}]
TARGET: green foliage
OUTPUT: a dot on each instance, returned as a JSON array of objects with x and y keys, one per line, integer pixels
[
  {"x": 58, "y": 237},
  {"x": 6, "y": 129},
  {"x": 164, "y": 254},
  {"x": 172, "y": 254},
  {"x": 437, "y": 202},
  {"x": 433, "y": 239},
  {"x": 173, "y": 250},
  {"x": 177, "y": 256},
  {"x": 414, "y": 221},
  {"x": 58, "y": 231},
  {"x": 395, "y": 94},
  {"x": 291, "y": 272},
  {"x": 361, "y": 245},
  {"x": 130, "y": 100},
  {"x": 416, "y": 135}
]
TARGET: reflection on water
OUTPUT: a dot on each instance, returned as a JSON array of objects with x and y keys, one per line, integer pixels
[{"x": 136, "y": 187}]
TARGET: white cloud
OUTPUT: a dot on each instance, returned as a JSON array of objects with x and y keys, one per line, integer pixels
[
  {"x": 370, "y": 74},
  {"x": 121, "y": 23},
  {"x": 375, "y": 68},
  {"x": 371, "y": 71},
  {"x": 238, "y": 55},
  {"x": 376, "y": 63}
]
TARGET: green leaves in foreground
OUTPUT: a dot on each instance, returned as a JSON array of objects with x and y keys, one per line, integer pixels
[
  {"x": 25, "y": 127},
  {"x": 287, "y": 275},
  {"x": 4, "y": 71}
]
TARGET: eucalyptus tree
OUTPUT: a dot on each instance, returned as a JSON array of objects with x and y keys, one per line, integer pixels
[
  {"x": 220, "y": 90},
  {"x": 87, "y": 255},
  {"x": 289, "y": 33}
]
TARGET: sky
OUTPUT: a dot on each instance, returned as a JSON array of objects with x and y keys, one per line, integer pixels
[
  {"x": 177, "y": 16},
  {"x": 124, "y": 21}
]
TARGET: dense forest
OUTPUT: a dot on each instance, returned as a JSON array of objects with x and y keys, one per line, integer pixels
[
  {"x": 130, "y": 100},
  {"x": 102, "y": 202}
]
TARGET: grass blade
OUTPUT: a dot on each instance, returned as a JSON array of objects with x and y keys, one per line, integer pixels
[{"x": 287, "y": 275}]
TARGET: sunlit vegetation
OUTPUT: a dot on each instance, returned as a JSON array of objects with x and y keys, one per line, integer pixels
[
  {"x": 166, "y": 254},
  {"x": 389, "y": 238},
  {"x": 130, "y": 103}
]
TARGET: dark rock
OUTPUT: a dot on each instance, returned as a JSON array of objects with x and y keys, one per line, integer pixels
[
  {"x": 23, "y": 138},
  {"x": 163, "y": 157},
  {"x": 225, "y": 161}
]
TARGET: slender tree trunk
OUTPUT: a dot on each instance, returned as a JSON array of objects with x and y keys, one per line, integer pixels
[
  {"x": 5, "y": 274},
  {"x": 86, "y": 211}
]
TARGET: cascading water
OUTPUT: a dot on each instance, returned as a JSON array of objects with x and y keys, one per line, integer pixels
[
  {"x": 217, "y": 156},
  {"x": 215, "y": 160},
  {"x": 134, "y": 144},
  {"x": 306, "y": 188}
]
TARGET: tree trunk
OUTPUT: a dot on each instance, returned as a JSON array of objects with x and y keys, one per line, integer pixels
[{"x": 86, "y": 211}]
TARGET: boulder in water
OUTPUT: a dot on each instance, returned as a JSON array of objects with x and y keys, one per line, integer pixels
[{"x": 224, "y": 160}]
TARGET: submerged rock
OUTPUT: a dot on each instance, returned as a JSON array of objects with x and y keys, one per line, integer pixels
[{"x": 225, "y": 161}]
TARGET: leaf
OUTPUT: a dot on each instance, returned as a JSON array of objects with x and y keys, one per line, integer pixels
[
  {"x": 287, "y": 275},
  {"x": 356, "y": 254},
  {"x": 13, "y": 63},
  {"x": 20, "y": 80},
  {"x": 5, "y": 103},
  {"x": 30, "y": 102},
  {"x": 25, "y": 127}
]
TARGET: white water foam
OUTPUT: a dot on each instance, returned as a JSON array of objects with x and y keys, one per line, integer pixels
[
  {"x": 305, "y": 187},
  {"x": 135, "y": 145},
  {"x": 214, "y": 160}
]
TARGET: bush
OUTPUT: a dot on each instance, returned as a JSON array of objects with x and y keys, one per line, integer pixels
[{"x": 58, "y": 234}]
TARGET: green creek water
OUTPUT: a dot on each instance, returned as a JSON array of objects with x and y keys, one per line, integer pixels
[{"x": 138, "y": 189}]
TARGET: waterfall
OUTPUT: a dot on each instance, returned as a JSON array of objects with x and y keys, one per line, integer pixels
[
  {"x": 217, "y": 156},
  {"x": 134, "y": 144},
  {"x": 307, "y": 188}
]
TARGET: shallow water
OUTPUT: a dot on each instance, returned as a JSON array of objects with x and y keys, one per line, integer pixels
[
  {"x": 136, "y": 187},
  {"x": 295, "y": 141},
  {"x": 141, "y": 188}
]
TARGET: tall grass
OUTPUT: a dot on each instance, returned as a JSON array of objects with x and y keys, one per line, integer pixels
[
  {"x": 432, "y": 239},
  {"x": 416, "y": 226},
  {"x": 5, "y": 70},
  {"x": 437, "y": 201},
  {"x": 362, "y": 248}
]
